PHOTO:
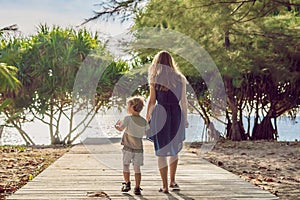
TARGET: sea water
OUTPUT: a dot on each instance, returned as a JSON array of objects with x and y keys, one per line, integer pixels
[{"x": 103, "y": 126}]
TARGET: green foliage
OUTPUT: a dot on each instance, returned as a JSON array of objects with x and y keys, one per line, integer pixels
[
  {"x": 51, "y": 62},
  {"x": 8, "y": 84},
  {"x": 48, "y": 63},
  {"x": 253, "y": 43},
  {"x": 8, "y": 79},
  {"x": 5, "y": 103}
]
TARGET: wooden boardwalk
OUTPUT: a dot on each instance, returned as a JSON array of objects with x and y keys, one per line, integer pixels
[{"x": 96, "y": 166}]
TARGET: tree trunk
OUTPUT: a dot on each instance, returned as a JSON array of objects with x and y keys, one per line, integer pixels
[
  {"x": 53, "y": 136},
  {"x": 264, "y": 130},
  {"x": 67, "y": 140},
  {"x": 226, "y": 39},
  {"x": 212, "y": 133},
  {"x": 276, "y": 129},
  {"x": 24, "y": 135},
  {"x": 235, "y": 131},
  {"x": 1, "y": 130}
]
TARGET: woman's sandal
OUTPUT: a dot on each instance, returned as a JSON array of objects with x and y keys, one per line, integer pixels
[
  {"x": 163, "y": 190},
  {"x": 175, "y": 187}
]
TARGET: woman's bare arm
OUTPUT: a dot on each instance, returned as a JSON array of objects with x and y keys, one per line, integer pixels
[
  {"x": 151, "y": 103},
  {"x": 184, "y": 102}
]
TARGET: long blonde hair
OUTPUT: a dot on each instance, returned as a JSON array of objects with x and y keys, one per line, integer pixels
[{"x": 163, "y": 64}]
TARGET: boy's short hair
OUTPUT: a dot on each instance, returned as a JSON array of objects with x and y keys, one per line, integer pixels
[{"x": 137, "y": 103}]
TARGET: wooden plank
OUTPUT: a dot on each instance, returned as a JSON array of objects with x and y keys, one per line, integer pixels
[{"x": 97, "y": 167}]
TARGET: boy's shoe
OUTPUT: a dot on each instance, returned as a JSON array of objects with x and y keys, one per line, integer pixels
[
  {"x": 137, "y": 191},
  {"x": 125, "y": 187}
]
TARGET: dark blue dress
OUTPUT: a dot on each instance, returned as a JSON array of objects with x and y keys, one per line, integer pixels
[{"x": 167, "y": 124}]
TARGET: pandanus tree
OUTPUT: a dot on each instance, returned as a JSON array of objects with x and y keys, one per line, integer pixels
[
  {"x": 53, "y": 61},
  {"x": 15, "y": 111},
  {"x": 48, "y": 63},
  {"x": 12, "y": 114}
]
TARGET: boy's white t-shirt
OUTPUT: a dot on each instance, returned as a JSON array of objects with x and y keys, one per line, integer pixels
[{"x": 135, "y": 128}]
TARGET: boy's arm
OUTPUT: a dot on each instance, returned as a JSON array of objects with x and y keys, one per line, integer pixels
[{"x": 119, "y": 126}]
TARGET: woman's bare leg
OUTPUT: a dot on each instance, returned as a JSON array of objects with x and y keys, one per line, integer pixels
[
  {"x": 163, "y": 169},
  {"x": 173, "y": 167}
]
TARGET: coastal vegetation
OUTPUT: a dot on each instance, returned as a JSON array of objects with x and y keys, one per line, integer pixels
[
  {"x": 40, "y": 73},
  {"x": 254, "y": 44}
]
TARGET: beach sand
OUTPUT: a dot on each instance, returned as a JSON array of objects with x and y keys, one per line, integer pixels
[
  {"x": 19, "y": 164},
  {"x": 272, "y": 166}
]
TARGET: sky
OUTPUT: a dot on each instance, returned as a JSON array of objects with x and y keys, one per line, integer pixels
[{"x": 28, "y": 14}]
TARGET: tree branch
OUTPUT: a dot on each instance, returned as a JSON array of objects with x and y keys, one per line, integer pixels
[
  {"x": 221, "y": 2},
  {"x": 285, "y": 3},
  {"x": 114, "y": 7},
  {"x": 13, "y": 27}
]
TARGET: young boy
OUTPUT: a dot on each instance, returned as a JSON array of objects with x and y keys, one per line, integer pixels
[{"x": 135, "y": 128}]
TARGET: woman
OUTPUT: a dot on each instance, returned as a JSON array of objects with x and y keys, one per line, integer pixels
[{"x": 168, "y": 118}]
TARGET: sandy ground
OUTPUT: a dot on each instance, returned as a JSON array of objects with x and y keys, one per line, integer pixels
[
  {"x": 273, "y": 166},
  {"x": 18, "y": 165}
]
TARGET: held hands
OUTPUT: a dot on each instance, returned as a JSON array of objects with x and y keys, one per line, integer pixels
[{"x": 147, "y": 118}]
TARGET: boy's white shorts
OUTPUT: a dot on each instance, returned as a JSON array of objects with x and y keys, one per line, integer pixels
[{"x": 136, "y": 158}]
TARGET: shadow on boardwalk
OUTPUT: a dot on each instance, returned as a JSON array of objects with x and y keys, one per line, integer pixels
[{"x": 95, "y": 167}]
